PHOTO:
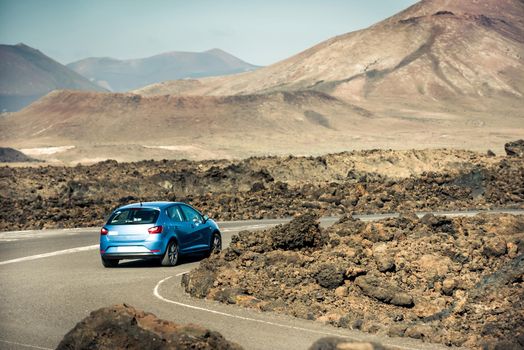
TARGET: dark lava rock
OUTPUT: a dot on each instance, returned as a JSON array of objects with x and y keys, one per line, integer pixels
[
  {"x": 429, "y": 219},
  {"x": 124, "y": 327},
  {"x": 333, "y": 343},
  {"x": 254, "y": 188},
  {"x": 329, "y": 276},
  {"x": 385, "y": 263},
  {"x": 200, "y": 282},
  {"x": 383, "y": 291},
  {"x": 495, "y": 247},
  {"x": 11, "y": 155},
  {"x": 301, "y": 232},
  {"x": 419, "y": 331},
  {"x": 444, "y": 280},
  {"x": 515, "y": 148}
]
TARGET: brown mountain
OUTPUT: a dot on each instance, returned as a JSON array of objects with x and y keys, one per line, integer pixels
[
  {"x": 439, "y": 74},
  {"x": 27, "y": 74},
  {"x": 436, "y": 50},
  {"x": 125, "y": 75},
  {"x": 132, "y": 127}
]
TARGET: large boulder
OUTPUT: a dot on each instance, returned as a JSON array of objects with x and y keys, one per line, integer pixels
[
  {"x": 302, "y": 232},
  {"x": 386, "y": 292},
  {"x": 515, "y": 148},
  {"x": 124, "y": 327},
  {"x": 329, "y": 276}
]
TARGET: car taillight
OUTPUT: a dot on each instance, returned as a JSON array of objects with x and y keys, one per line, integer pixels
[
  {"x": 156, "y": 229},
  {"x": 103, "y": 231}
]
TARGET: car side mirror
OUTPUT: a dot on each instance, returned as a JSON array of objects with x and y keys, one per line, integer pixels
[{"x": 205, "y": 218}]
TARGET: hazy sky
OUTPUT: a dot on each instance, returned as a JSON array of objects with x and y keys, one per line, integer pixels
[{"x": 257, "y": 31}]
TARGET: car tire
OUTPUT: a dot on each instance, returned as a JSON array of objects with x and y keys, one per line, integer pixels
[
  {"x": 110, "y": 262},
  {"x": 216, "y": 244},
  {"x": 171, "y": 255}
]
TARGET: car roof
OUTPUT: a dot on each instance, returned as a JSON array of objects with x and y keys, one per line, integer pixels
[{"x": 156, "y": 205}]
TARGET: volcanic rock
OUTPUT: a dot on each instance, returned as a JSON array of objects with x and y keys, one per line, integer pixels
[
  {"x": 495, "y": 247},
  {"x": 124, "y": 327},
  {"x": 441, "y": 289},
  {"x": 84, "y": 195},
  {"x": 329, "y": 276},
  {"x": 301, "y": 232},
  {"x": 515, "y": 148},
  {"x": 384, "y": 291}
]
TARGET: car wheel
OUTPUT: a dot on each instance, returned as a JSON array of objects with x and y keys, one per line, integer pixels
[
  {"x": 110, "y": 262},
  {"x": 216, "y": 244},
  {"x": 170, "y": 257}
]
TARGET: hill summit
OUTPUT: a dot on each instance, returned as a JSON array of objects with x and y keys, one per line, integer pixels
[
  {"x": 125, "y": 75},
  {"x": 26, "y": 74}
]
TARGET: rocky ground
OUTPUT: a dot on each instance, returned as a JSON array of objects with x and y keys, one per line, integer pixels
[
  {"x": 124, "y": 327},
  {"x": 456, "y": 281},
  {"x": 36, "y": 197}
]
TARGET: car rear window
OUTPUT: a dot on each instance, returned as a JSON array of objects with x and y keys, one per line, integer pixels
[{"x": 133, "y": 216}]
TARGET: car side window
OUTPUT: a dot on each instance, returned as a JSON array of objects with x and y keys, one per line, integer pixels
[
  {"x": 191, "y": 214},
  {"x": 175, "y": 214}
]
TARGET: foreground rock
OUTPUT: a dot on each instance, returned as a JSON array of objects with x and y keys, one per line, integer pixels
[
  {"x": 124, "y": 327},
  {"x": 457, "y": 281},
  {"x": 265, "y": 187},
  {"x": 515, "y": 148}
]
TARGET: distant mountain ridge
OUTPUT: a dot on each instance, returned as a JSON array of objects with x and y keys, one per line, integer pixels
[
  {"x": 124, "y": 75},
  {"x": 441, "y": 73},
  {"x": 26, "y": 74},
  {"x": 435, "y": 50}
]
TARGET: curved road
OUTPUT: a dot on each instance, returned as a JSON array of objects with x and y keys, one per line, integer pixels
[{"x": 50, "y": 280}]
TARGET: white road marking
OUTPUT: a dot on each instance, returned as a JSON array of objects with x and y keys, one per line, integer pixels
[
  {"x": 352, "y": 337},
  {"x": 8, "y": 236},
  {"x": 46, "y": 255},
  {"x": 157, "y": 295},
  {"x": 249, "y": 227},
  {"x": 24, "y": 345}
]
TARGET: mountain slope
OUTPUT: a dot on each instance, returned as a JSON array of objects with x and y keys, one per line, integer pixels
[
  {"x": 131, "y": 127},
  {"x": 27, "y": 74},
  {"x": 439, "y": 74},
  {"x": 124, "y": 75},
  {"x": 436, "y": 50}
]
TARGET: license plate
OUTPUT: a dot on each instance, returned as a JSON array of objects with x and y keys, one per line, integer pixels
[
  {"x": 127, "y": 249},
  {"x": 112, "y": 233}
]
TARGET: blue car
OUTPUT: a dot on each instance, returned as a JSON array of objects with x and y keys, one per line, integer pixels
[{"x": 157, "y": 230}]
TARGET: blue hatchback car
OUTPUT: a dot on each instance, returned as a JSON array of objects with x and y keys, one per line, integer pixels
[{"x": 157, "y": 230}]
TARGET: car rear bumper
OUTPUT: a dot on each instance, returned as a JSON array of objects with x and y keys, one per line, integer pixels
[
  {"x": 119, "y": 256},
  {"x": 131, "y": 250}
]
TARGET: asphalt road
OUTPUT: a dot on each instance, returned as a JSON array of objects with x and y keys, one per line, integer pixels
[{"x": 50, "y": 280}]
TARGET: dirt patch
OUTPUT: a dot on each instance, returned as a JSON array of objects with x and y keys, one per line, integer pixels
[{"x": 456, "y": 281}]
